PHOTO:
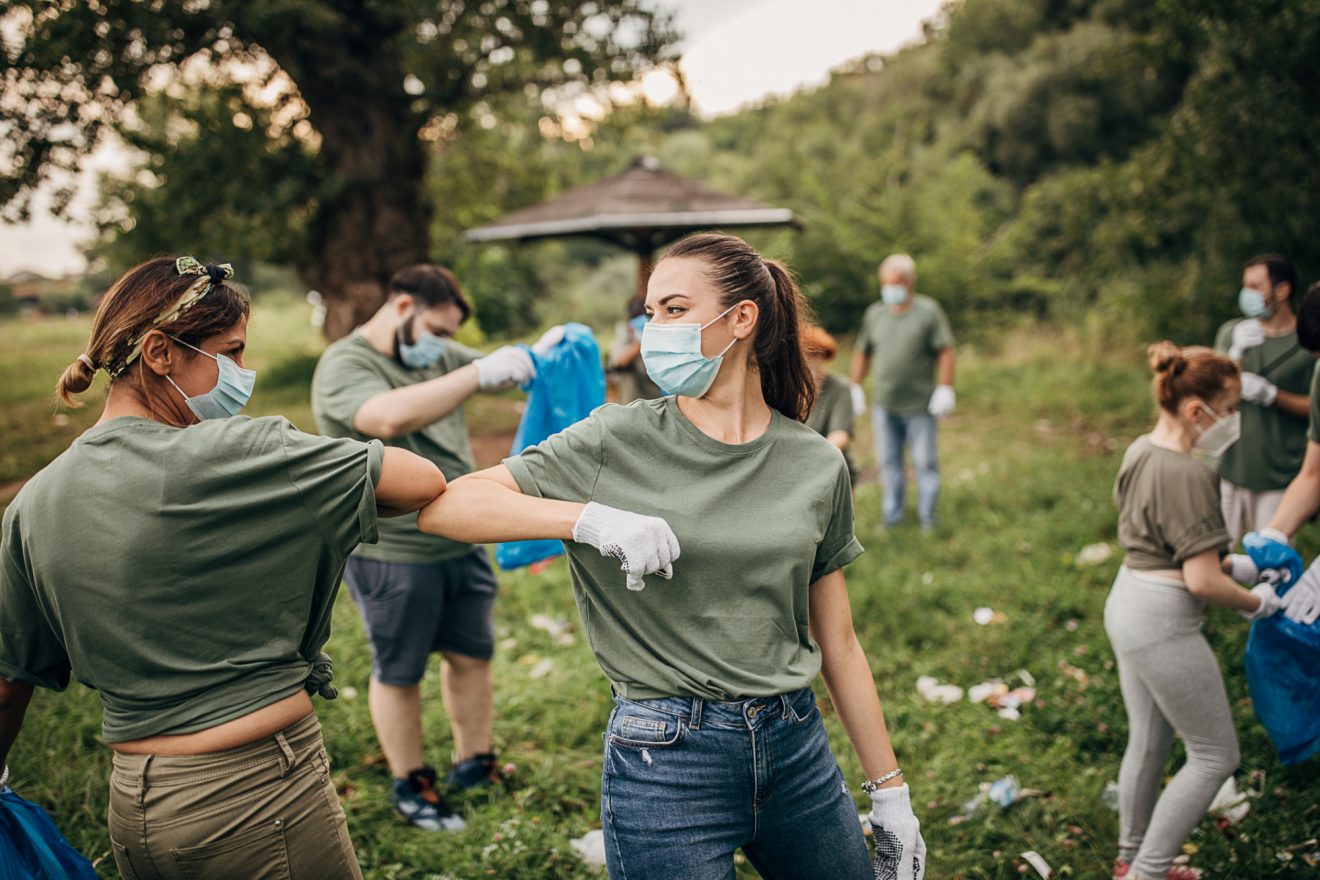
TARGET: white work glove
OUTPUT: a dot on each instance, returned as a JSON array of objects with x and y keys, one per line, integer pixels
[
  {"x": 858, "y": 399},
  {"x": 1269, "y": 602},
  {"x": 505, "y": 366},
  {"x": 642, "y": 544},
  {"x": 1246, "y": 334},
  {"x": 942, "y": 401},
  {"x": 900, "y": 853},
  {"x": 549, "y": 339},
  {"x": 4, "y": 778},
  {"x": 1242, "y": 569},
  {"x": 1302, "y": 602},
  {"x": 1257, "y": 389}
]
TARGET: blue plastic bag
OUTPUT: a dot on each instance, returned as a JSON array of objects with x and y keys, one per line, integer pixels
[
  {"x": 569, "y": 384},
  {"x": 32, "y": 848},
  {"x": 1283, "y": 675}
]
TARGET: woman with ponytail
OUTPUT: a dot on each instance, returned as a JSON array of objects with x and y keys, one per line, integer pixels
[
  {"x": 715, "y": 742},
  {"x": 183, "y": 561},
  {"x": 1172, "y": 527}
]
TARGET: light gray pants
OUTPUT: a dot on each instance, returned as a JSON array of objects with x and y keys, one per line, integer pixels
[
  {"x": 1171, "y": 684},
  {"x": 1246, "y": 510}
]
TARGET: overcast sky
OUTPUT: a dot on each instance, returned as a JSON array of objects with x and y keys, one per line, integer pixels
[{"x": 735, "y": 52}]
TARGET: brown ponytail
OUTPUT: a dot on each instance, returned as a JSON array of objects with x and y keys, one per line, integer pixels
[
  {"x": 130, "y": 308},
  {"x": 1195, "y": 371},
  {"x": 778, "y": 356}
]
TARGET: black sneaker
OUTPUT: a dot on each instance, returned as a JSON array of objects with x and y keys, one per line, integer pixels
[
  {"x": 417, "y": 800},
  {"x": 476, "y": 771}
]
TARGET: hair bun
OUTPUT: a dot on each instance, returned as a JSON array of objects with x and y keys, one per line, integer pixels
[{"x": 1165, "y": 357}]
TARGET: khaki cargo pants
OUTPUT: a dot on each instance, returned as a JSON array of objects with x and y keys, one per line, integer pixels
[{"x": 264, "y": 811}]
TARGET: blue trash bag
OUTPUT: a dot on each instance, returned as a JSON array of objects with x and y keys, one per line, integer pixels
[
  {"x": 1283, "y": 675},
  {"x": 32, "y": 848},
  {"x": 569, "y": 384},
  {"x": 1270, "y": 555}
]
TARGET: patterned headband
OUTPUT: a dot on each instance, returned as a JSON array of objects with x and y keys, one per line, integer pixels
[{"x": 209, "y": 275}]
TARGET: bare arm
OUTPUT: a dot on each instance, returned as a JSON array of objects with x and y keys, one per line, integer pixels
[
  {"x": 848, "y": 678},
  {"x": 1207, "y": 581},
  {"x": 407, "y": 482},
  {"x": 945, "y": 365},
  {"x": 404, "y": 410},
  {"x": 14, "y": 699},
  {"x": 487, "y": 506},
  {"x": 861, "y": 362},
  {"x": 1302, "y": 499},
  {"x": 1298, "y": 405},
  {"x": 839, "y": 438}
]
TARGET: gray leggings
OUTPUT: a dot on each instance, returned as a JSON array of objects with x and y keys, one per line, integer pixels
[{"x": 1171, "y": 684}]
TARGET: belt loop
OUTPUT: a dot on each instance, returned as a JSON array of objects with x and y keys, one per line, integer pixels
[
  {"x": 286, "y": 754},
  {"x": 142, "y": 781},
  {"x": 694, "y": 722}
]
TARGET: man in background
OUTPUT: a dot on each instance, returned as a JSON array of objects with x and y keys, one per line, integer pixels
[
  {"x": 1276, "y": 375},
  {"x": 907, "y": 347}
]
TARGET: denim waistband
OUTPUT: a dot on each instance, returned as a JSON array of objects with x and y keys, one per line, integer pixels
[{"x": 740, "y": 714}]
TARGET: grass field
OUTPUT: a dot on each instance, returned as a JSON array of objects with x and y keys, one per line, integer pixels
[{"x": 1028, "y": 462}]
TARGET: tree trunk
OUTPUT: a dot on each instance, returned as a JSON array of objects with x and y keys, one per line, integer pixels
[{"x": 373, "y": 216}]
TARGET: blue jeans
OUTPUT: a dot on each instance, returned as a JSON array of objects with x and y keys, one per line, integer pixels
[
  {"x": 688, "y": 781},
  {"x": 892, "y": 431}
]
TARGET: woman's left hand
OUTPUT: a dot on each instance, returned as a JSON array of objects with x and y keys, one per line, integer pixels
[{"x": 900, "y": 853}]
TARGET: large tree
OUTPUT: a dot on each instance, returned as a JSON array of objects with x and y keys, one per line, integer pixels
[{"x": 342, "y": 95}]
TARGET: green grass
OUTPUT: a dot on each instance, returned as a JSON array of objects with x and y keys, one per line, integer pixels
[{"x": 1028, "y": 462}]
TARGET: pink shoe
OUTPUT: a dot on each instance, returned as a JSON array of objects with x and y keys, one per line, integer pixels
[{"x": 1182, "y": 872}]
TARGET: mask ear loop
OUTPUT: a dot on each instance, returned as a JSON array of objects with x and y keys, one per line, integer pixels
[{"x": 734, "y": 341}]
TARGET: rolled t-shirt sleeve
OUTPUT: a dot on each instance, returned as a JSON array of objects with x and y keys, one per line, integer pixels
[
  {"x": 839, "y": 545},
  {"x": 336, "y": 478},
  {"x": 30, "y": 651},
  {"x": 1191, "y": 517},
  {"x": 565, "y": 466}
]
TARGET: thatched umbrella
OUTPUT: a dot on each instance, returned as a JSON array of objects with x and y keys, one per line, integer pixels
[{"x": 641, "y": 209}]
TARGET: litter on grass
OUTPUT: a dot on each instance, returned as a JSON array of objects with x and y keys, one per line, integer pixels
[
  {"x": 590, "y": 847},
  {"x": 1094, "y": 554},
  {"x": 1031, "y": 857},
  {"x": 986, "y": 616},
  {"x": 1229, "y": 805},
  {"x": 933, "y": 691},
  {"x": 1002, "y": 793}
]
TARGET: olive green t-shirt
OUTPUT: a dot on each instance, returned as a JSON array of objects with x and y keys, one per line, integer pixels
[
  {"x": 1168, "y": 507},
  {"x": 1270, "y": 451},
  {"x": 904, "y": 349},
  {"x": 757, "y": 524},
  {"x": 187, "y": 574},
  {"x": 834, "y": 412},
  {"x": 350, "y": 373}
]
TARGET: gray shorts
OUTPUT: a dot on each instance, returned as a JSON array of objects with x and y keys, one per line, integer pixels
[{"x": 411, "y": 610}]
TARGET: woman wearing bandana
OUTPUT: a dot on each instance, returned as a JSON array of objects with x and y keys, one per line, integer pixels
[
  {"x": 713, "y": 614},
  {"x": 183, "y": 561}
]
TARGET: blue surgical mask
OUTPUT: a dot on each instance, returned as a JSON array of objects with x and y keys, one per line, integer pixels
[
  {"x": 1252, "y": 303},
  {"x": 425, "y": 349},
  {"x": 672, "y": 356},
  {"x": 232, "y": 391},
  {"x": 893, "y": 294}
]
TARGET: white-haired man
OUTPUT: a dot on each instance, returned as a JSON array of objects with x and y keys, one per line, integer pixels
[{"x": 906, "y": 345}]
